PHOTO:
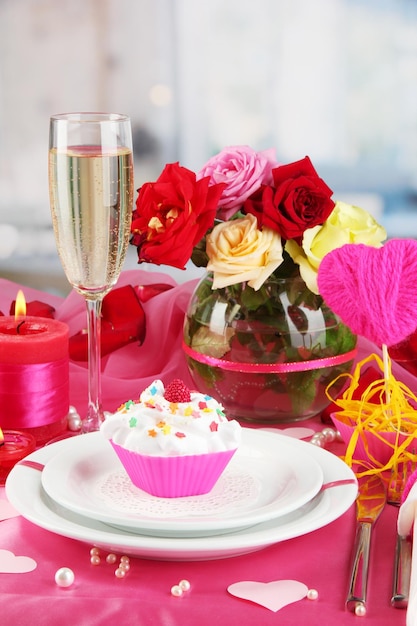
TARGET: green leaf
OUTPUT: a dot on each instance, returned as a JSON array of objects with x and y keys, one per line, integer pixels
[{"x": 302, "y": 389}]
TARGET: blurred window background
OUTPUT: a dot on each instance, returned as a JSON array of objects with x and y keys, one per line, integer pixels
[{"x": 334, "y": 79}]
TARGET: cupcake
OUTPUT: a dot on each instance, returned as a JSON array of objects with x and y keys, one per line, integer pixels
[{"x": 172, "y": 442}]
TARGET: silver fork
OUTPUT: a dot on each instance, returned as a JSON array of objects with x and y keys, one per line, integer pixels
[{"x": 403, "y": 548}]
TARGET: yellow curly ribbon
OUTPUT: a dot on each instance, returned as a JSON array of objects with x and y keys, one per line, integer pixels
[{"x": 384, "y": 407}]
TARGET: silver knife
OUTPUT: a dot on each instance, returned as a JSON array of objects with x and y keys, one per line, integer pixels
[
  {"x": 402, "y": 572},
  {"x": 369, "y": 504}
]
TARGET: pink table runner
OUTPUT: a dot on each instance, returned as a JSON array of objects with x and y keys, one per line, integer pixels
[{"x": 319, "y": 559}]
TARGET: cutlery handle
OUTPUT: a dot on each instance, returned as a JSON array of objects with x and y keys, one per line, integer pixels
[
  {"x": 402, "y": 573},
  {"x": 358, "y": 583}
]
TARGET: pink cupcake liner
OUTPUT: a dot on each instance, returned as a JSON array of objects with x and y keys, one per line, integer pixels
[
  {"x": 381, "y": 450},
  {"x": 174, "y": 476}
]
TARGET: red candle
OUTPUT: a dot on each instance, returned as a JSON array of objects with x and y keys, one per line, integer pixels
[
  {"x": 32, "y": 340},
  {"x": 14, "y": 446},
  {"x": 34, "y": 374}
]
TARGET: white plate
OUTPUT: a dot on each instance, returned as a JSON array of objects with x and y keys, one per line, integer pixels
[
  {"x": 25, "y": 492},
  {"x": 265, "y": 479}
]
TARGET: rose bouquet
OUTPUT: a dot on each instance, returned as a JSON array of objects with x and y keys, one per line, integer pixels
[{"x": 257, "y": 331}]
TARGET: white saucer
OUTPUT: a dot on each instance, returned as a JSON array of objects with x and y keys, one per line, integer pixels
[
  {"x": 265, "y": 479},
  {"x": 25, "y": 492}
]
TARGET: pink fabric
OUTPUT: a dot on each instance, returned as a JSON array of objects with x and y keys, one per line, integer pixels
[
  {"x": 319, "y": 559},
  {"x": 127, "y": 371}
]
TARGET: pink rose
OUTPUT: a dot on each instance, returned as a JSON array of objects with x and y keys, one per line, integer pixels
[{"x": 243, "y": 170}]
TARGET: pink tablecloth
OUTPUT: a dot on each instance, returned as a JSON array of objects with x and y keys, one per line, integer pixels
[{"x": 319, "y": 559}]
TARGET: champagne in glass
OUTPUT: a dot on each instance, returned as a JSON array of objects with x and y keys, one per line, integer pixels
[{"x": 91, "y": 197}]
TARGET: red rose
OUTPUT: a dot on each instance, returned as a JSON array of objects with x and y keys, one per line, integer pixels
[
  {"x": 172, "y": 215},
  {"x": 297, "y": 200}
]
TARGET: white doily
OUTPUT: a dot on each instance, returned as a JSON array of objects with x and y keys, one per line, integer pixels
[{"x": 234, "y": 490}]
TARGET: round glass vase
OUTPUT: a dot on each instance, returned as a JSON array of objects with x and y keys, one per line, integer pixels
[{"x": 266, "y": 355}]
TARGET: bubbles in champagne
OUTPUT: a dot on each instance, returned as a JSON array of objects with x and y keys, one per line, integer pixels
[{"x": 91, "y": 202}]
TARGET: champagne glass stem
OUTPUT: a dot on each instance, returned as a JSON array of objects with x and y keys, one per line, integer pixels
[{"x": 94, "y": 411}]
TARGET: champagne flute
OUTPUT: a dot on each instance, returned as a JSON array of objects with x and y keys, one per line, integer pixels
[{"x": 91, "y": 197}]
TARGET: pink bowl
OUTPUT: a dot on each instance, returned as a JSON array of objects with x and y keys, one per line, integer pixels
[
  {"x": 174, "y": 476},
  {"x": 379, "y": 449}
]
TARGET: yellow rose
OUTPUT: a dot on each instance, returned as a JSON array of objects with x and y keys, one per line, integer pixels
[
  {"x": 346, "y": 224},
  {"x": 239, "y": 252}
]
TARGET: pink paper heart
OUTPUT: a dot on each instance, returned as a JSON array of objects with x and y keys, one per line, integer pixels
[
  {"x": 297, "y": 432},
  {"x": 12, "y": 564},
  {"x": 273, "y": 595},
  {"x": 373, "y": 290},
  {"x": 7, "y": 511}
]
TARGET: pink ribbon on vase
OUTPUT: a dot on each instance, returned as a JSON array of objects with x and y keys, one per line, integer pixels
[{"x": 269, "y": 368}]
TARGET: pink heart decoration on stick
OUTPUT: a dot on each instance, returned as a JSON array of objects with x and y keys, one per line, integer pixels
[
  {"x": 11, "y": 564},
  {"x": 373, "y": 290},
  {"x": 273, "y": 595}
]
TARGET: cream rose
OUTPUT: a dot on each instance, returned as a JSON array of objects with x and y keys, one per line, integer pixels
[
  {"x": 239, "y": 252},
  {"x": 346, "y": 224}
]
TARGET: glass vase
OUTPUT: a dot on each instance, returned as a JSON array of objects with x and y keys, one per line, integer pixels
[{"x": 266, "y": 355}]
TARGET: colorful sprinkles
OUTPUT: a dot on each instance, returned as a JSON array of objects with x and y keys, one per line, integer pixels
[{"x": 178, "y": 403}]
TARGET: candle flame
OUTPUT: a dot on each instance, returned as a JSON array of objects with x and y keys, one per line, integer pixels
[{"x": 20, "y": 305}]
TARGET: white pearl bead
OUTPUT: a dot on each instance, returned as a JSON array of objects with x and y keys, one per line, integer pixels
[
  {"x": 120, "y": 573},
  {"x": 329, "y": 434},
  {"x": 64, "y": 577},
  {"x": 312, "y": 594},
  {"x": 318, "y": 440},
  {"x": 124, "y": 566},
  {"x": 176, "y": 591},
  {"x": 94, "y": 551},
  {"x": 74, "y": 423},
  {"x": 360, "y": 610},
  {"x": 185, "y": 585},
  {"x": 95, "y": 560},
  {"x": 111, "y": 558}
]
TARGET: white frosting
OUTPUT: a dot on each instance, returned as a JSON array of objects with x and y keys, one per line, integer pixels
[{"x": 154, "y": 426}]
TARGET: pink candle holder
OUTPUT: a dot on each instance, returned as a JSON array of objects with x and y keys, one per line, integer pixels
[{"x": 13, "y": 448}]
